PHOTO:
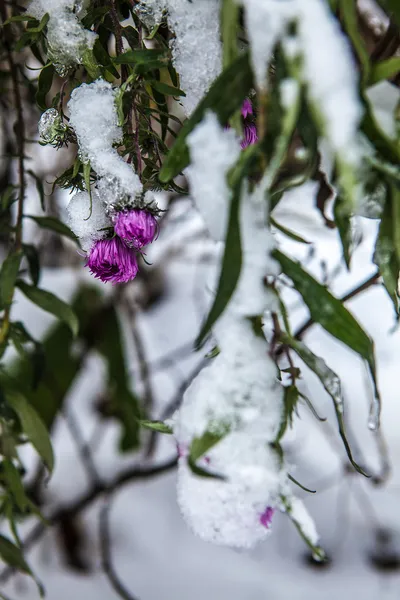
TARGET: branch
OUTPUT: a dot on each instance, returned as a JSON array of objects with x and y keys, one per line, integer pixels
[
  {"x": 20, "y": 140},
  {"x": 106, "y": 555},
  {"x": 137, "y": 473}
]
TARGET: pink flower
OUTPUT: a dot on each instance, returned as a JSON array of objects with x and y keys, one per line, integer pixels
[
  {"x": 266, "y": 517},
  {"x": 249, "y": 136},
  {"x": 247, "y": 108},
  {"x": 111, "y": 260},
  {"x": 136, "y": 226}
]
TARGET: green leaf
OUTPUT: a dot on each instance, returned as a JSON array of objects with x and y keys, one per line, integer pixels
[
  {"x": 8, "y": 197},
  {"x": 229, "y": 30},
  {"x": 327, "y": 310},
  {"x": 40, "y": 188},
  {"x": 166, "y": 89},
  {"x": 331, "y": 383},
  {"x": 348, "y": 10},
  {"x": 300, "y": 485},
  {"x": 290, "y": 400},
  {"x": 230, "y": 269},
  {"x": 202, "y": 472},
  {"x": 50, "y": 303},
  {"x": 86, "y": 177},
  {"x": 15, "y": 485},
  {"x": 199, "y": 446},
  {"x": 343, "y": 223},
  {"x": 384, "y": 69},
  {"x": 103, "y": 58},
  {"x": 295, "y": 511},
  {"x": 43, "y": 22},
  {"x": 44, "y": 85},
  {"x": 131, "y": 36},
  {"x": 32, "y": 256},
  {"x": 387, "y": 249},
  {"x": 8, "y": 275},
  {"x": 224, "y": 97},
  {"x": 12, "y": 555},
  {"x": 291, "y": 234},
  {"x": 142, "y": 57},
  {"x": 55, "y": 225},
  {"x": 159, "y": 426},
  {"x": 90, "y": 64},
  {"x": 32, "y": 426},
  {"x": 334, "y": 317}
]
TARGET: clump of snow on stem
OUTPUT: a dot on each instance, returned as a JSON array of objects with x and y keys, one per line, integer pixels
[
  {"x": 66, "y": 36},
  {"x": 213, "y": 151},
  {"x": 328, "y": 66},
  {"x": 93, "y": 115},
  {"x": 237, "y": 393},
  {"x": 196, "y": 47},
  {"x": 88, "y": 219}
]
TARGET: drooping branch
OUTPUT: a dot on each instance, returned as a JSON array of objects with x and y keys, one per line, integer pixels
[{"x": 130, "y": 475}]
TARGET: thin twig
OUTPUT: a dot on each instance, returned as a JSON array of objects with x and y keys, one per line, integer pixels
[
  {"x": 136, "y": 473},
  {"x": 82, "y": 447},
  {"x": 106, "y": 553}
]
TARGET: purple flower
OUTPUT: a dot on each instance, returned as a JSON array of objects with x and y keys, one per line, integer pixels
[
  {"x": 247, "y": 108},
  {"x": 249, "y": 136},
  {"x": 136, "y": 226},
  {"x": 112, "y": 260},
  {"x": 266, "y": 517}
]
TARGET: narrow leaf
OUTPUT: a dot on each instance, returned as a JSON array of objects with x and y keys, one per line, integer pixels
[
  {"x": 385, "y": 69},
  {"x": 8, "y": 275},
  {"x": 33, "y": 427},
  {"x": 55, "y": 225},
  {"x": 45, "y": 82},
  {"x": 50, "y": 303},
  {"x": 12, "y": 555},
  {"x": 199, "y": 446},
  {"x": 159, "y": 426},
  {"x": 230, "y": 269},
  {"x": 331, "y": 383},
  {"x": 32, "y": 256}
]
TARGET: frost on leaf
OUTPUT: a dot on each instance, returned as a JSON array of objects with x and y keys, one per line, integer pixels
[
  {"x": 213, "y": 152},
  {"x": 93, "y": 115},
  {"x": 66, "y": 36}
]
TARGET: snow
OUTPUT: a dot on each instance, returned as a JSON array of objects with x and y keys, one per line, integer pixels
[
  {"x": 328, "y": 65},
  {"x": 155, "y": 553},
  {"x": 302, "y": 518},
  {"x": 88, "y": 218},
  {"x": 213, "y": 151},
  {"x": 66, "y": 37},
  {"x": 229, "y": 512},
  {"x": 93, "y": 115},
  {"x": 196, "y": 42},
  {"x": 189, "y": 21},
  {"x": 329, "y": 71},
  {"x": 266, "y": 21}
]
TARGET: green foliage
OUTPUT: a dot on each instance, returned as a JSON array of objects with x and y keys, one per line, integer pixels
[{"x": 34, "y": 385}]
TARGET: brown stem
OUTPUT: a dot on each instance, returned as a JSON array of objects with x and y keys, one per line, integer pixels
[{"x": 20, "y": 140}]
